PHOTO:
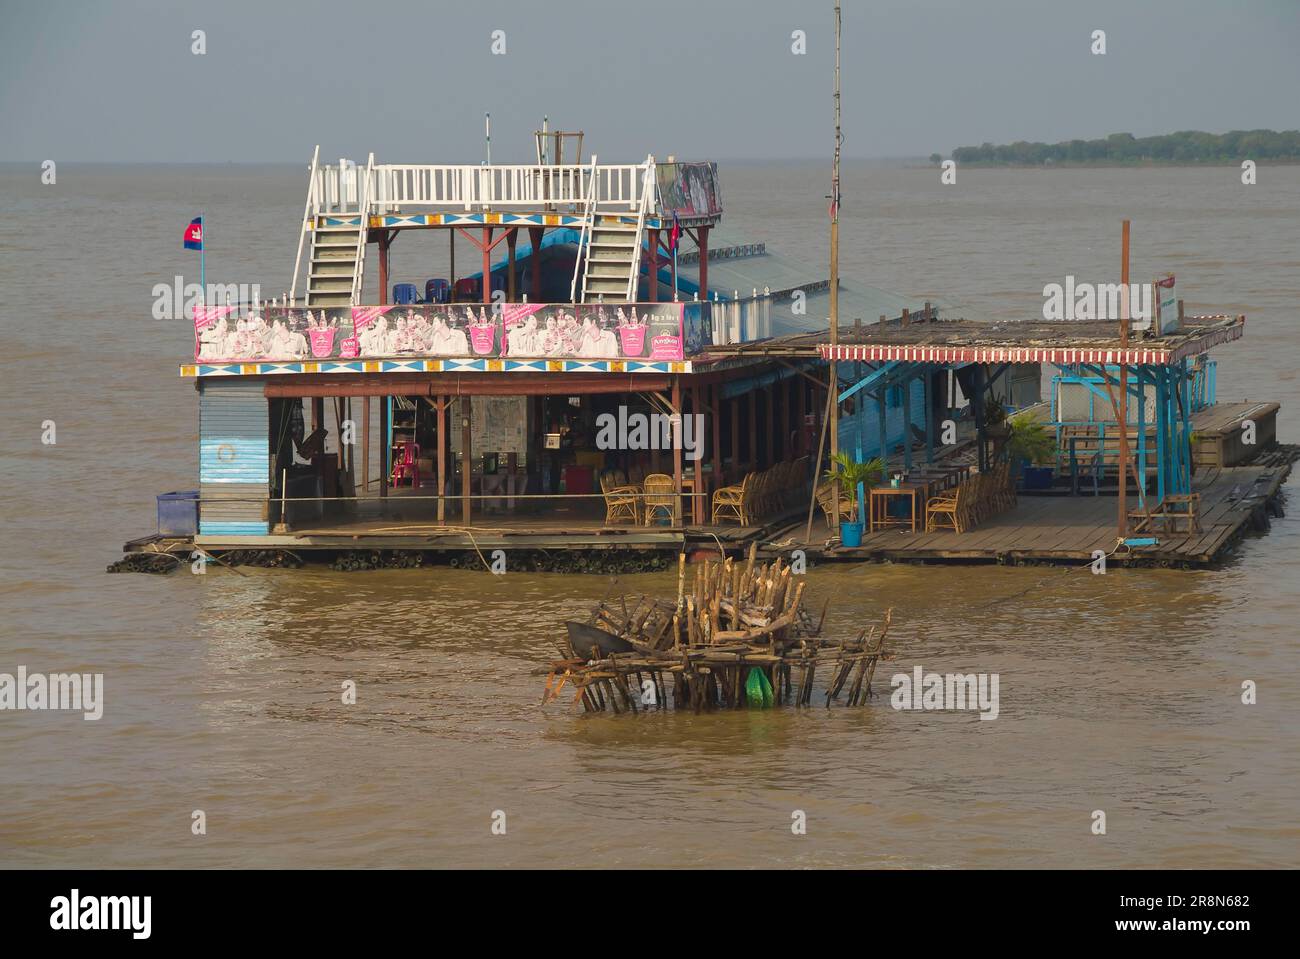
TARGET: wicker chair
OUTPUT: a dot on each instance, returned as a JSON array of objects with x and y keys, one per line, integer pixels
[
  {"x": 621, "y": 501},
  {"x": 660, "y": 494},
  {"x": 826, "y": 492},
  {"x": 953, "y": 504},
  {"x": 734, "y": 501}
]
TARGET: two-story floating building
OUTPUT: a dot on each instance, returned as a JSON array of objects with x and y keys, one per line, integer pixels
[{"x": 602, "y": 366}]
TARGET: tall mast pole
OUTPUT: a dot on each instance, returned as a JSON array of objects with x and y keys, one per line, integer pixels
[
  {"x": 835, "y": 276},
  {"x": 1123, "y": 383}
]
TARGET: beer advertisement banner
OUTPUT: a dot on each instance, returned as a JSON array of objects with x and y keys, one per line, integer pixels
[{"x": 650, "y": 331}]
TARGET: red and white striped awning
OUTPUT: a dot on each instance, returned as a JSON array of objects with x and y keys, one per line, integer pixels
[{"x": 1138, "y": 355}]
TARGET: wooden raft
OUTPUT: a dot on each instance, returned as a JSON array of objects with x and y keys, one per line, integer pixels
[{"x": 699, "y": 653}]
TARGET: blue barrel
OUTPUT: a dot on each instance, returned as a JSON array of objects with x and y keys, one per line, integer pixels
[
  {"x": 405, "y": 293},
  {"x": 178, "y": 513}
]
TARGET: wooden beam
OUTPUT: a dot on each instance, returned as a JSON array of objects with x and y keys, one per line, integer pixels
[
  {"x": 466, "y": 459},
  {"x": 383, "y": 446},
  {"x": 715, "y": 431},
  {"x": 512, "y": 237},
  {"x": 365, "y": 446},
  {"x": 442, "y": 458},
  {"x": 677, "y": 451}
]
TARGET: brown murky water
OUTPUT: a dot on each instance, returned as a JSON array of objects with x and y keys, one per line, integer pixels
[{"x": 1118, "y": 693}]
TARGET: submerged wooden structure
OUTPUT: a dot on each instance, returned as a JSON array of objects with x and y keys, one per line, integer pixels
[{"x": 739, "y": 636}]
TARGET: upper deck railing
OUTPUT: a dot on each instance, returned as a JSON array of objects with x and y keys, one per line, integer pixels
[{"x": 392, "y": 187}]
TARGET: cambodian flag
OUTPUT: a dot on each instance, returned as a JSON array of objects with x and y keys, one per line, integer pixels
[{"x": 194, "y": 234}]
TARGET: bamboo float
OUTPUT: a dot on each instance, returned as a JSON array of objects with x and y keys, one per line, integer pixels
[{"x": 729, "y": 619}]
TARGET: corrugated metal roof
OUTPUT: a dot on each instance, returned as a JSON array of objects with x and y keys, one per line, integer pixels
[{"x": 779, "y": 273}]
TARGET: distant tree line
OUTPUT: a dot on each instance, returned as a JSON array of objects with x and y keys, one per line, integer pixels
[{"x": 1187, "y": 146}]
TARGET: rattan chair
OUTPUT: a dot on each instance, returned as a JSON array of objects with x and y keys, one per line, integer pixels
[
  {"x": 660, "y": 494},
  {"x": 953, "y": 504},
  {"x": 734, "y": 501},
  {"x": 621, "y": 501}
]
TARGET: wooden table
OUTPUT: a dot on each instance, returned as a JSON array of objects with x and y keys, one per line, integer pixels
[{"x": 879, "y": 497}]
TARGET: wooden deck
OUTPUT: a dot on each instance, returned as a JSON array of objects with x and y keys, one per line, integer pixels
[{"x": 1070, "y": 528}]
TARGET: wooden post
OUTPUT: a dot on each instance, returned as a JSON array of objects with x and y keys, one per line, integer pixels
[
  {"x": 487, "y": 265},
  {"x": 383, "y": 446},
  {"x": 451, "y": 266},
  {"x": 785, "y": 420},
  {"x": 365, "y": 446},
  {"x": 715, "y": 431},
  {"x": 753, "y": 428},
  {"x": 1123, "y": 384},
  {"x": 735, "y": 434},
  {"x": 702, "y": 241},
  {"x": 769, "y": 427},
  {"x": 677, "y": 449},
  {"x": 800, "y": 413},
  {"x": 442, "y": 459},
  {"x": 383, "y": 267},
  {"x": 466, "y": 459},
  {"x": 511, "y": 239}
]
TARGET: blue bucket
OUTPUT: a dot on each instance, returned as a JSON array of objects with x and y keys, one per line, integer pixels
[{"x": 851, "y": 535}]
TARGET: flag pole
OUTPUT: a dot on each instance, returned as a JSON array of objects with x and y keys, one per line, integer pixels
[{"x": 203, "y": 266}]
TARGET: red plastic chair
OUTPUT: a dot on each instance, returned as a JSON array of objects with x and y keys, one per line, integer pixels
[{"x": 407, "y": 465}]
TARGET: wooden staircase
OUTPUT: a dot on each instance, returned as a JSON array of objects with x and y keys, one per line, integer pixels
[
  {"x": 613, "y": 261},
  {"x": 332, "y": 269},
  {"x": 336, "y": 217}
]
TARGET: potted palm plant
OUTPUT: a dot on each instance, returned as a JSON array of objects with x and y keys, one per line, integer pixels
[
  {"x": 1031, "y": 450},
  {"x": 849, "y": 473}
]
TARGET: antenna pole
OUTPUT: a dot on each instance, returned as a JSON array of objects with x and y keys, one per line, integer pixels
[{"x": 834, "y": 378}]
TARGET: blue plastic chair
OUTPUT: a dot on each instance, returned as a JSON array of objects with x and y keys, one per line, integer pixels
[
  {"x": 437, "y": 291},
  {"x": 405, "y": 293}
]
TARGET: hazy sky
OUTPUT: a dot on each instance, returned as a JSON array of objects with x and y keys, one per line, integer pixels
[{"x": 410, "y": 80}]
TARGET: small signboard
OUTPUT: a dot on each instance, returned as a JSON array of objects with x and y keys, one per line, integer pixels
[{"x": 1166, "y": 300}]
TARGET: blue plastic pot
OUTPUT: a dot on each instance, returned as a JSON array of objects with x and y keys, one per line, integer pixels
[{"x": 851, "y": 534}]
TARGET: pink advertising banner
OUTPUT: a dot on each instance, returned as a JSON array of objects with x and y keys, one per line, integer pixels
[{"x": 648, "y": 331}]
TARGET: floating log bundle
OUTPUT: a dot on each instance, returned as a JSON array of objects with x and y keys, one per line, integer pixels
[{"x": 738, "y": 635}]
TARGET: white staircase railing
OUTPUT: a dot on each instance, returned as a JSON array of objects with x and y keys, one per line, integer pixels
[
  {"x": 584, "y": 237},
  {"x": 308, "y": 215},
  {"x": 363, "y": 204},
  {"x": 648, "y": 186}
]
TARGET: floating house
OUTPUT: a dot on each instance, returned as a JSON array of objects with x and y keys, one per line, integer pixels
[{"x": 602, "y": 366}]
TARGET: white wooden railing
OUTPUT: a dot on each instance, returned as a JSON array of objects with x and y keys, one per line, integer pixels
[
  {"x": 306, "y": 220},
  {"x": 364, "y": 204},
  {"x": 645, "y": 206},
  {"x": 392, "y": 187},
  {"x": 584, "y": 236}
]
